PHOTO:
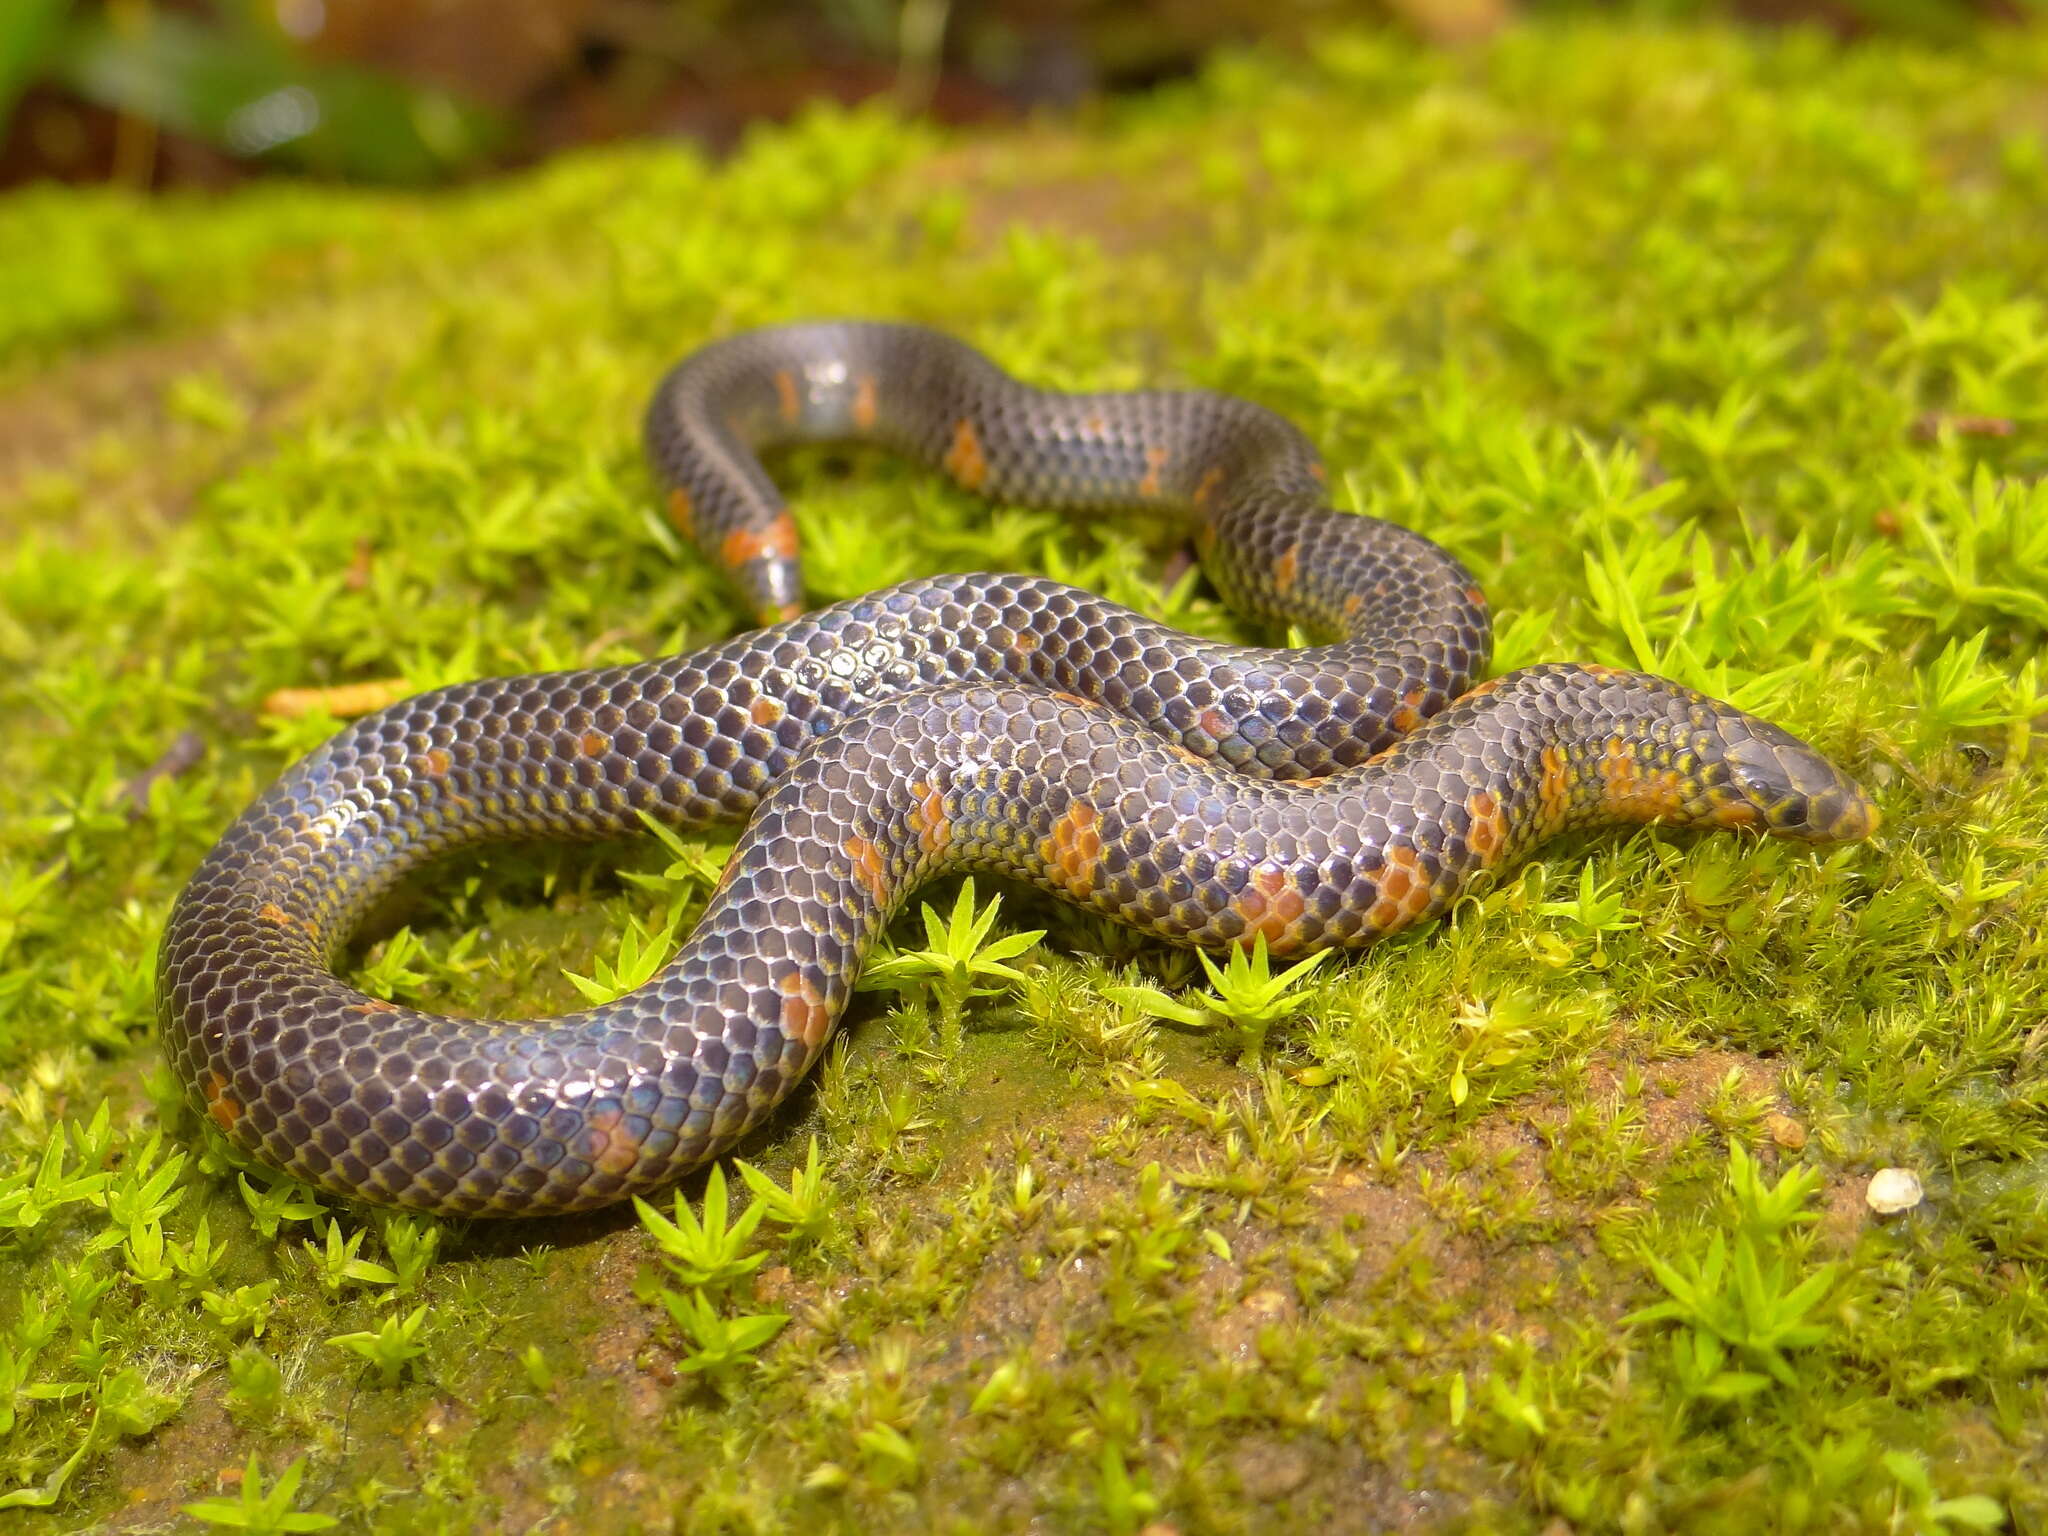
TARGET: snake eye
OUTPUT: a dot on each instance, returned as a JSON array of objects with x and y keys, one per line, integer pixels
[
  {"x": 1753, "y": 783},
  {"x": 1755, "y": 770}
]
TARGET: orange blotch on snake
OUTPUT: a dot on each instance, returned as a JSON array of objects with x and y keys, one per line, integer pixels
[
  {"x": 1489, "y": 829},
  {"x": 1074, "y": 848},
  {"x": 270, "y": 912},
  {"x": 765, "y": 711},
  {"x": 804, "y": 1014},
  {"x": 1632, "y": 790},
  {"x": 593, "y": 743},
  {"x": 1208, "y": 485},
  {"x": 786, "y": 397},
  {"x": 1554, "y": 789},
  {"x": 779, "y": 538},
  {"x": 1287, "y": 569},
  {"x": 222, "y": 1106},
  {"x": 1475, "y": 597},
  {"x": 1404, "y": 891},
  {"x": 744, "y": 544},
  {"x": 1155, "y": 462},
  {"x": 964, "y": 461},
  {"x": 864, "y": 402},
  {"x": 610, "y": 1142},
  {"x": 868, "y": 868},
  {"x": 1217, "y": 724},
  {"x": 1480, "y": 690},
  {"x": 373, "y": 1005},
  {"x": 1271, "y": 906},
  {"x": 683, "y": 512},
  {"x": 928, "y": 819}
]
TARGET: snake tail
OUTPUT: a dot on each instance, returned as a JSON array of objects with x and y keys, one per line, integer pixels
[{"x": 1245, "y": 480}]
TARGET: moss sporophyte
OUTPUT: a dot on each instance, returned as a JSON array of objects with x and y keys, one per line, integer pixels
[{"x": 1058, "y": 1258}]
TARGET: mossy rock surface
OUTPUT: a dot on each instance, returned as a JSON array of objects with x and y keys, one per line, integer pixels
[{"x": 1715, "y": 355}]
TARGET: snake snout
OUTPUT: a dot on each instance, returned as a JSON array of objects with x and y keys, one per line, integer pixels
[{"x": 1790, "y": 790}]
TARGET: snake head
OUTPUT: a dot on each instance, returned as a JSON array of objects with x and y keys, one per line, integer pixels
[{"x": 1760, "y": 776}]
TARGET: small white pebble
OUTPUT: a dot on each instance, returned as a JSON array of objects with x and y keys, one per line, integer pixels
[{"x": 1892, "y": 1190}]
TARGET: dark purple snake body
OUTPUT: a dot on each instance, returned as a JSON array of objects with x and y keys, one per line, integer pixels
[{"x": 1207, "y": 793}]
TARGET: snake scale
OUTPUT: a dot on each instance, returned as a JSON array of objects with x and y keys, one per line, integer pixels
[{"x": 1207, "y": 793}]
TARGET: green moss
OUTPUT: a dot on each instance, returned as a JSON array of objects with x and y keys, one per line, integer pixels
[{"x": 1715, "y": 355}]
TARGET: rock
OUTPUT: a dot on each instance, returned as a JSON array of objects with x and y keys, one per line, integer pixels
[
  {"x": 1893, "y": 1190},
  {"x": 1786, "y": 1132},
  {"x": 1269, "y": 1470}
]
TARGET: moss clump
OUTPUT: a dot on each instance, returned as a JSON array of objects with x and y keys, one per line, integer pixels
[{"x": 1716, "y": 356}]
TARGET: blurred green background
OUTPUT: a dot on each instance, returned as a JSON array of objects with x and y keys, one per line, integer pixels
[{"x": 203, "y": 92}]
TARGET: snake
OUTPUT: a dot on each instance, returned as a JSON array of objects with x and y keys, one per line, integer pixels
[{"x": 1210, "y": 794}]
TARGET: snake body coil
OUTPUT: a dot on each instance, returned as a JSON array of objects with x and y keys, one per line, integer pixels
[{"x": 1207, "y": 793}]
